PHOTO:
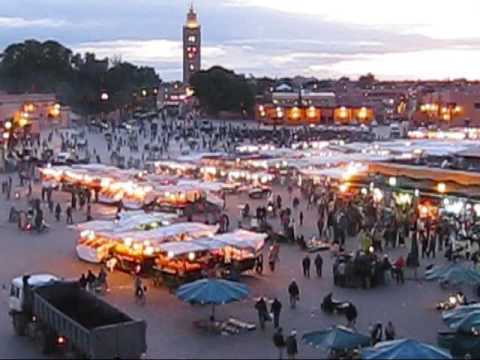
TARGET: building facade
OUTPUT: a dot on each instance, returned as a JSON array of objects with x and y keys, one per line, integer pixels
[
  {"x": 449, "y": 108},
  {"x": 192, "y": 42},
  {"x": 286, "y": 105},
  {"x": 34, "y": 112}
]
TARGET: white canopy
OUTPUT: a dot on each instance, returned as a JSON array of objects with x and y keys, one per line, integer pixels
[
  {"x": 166, "y": 233},
  {"x": 239, "y": 239},
  {"x": 243, "y": 239},
  {"x": 129, "y": 220}
]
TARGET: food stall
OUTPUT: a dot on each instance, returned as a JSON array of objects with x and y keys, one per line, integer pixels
[
  {"x": 134, "y": 246},
  {"x": 225, "y": 255}
]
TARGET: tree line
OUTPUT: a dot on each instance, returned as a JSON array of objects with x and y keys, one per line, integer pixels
[{"x": 78, "y": 80}]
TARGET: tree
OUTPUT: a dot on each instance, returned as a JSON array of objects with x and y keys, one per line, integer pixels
[
  {"x": 33, "y": 66},
  {"x": 219, "y": 89},
  {"x": 366, "y": 81}
]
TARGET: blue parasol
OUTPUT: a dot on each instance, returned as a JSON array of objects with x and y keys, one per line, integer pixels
[
  {"x": 455, "y": 274},
  {"x": 453, "y": 317},
  {"x": 404, "y": 349},
  {"x": 336, "y": 338},
  {"x": 471, "y": 323},
  {"x": 212, "y": 292}
]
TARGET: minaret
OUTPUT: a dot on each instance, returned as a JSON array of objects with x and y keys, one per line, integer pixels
[{"x": 191, "y": 45}]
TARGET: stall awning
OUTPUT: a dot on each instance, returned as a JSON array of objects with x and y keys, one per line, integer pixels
[{"x": 463, "y": 178}]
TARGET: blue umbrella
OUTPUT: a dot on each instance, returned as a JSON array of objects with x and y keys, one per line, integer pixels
[
  {"x": 436, "y": 271},
  {"x": 455, "y": 273},
  {"x": 212, "y": 292},
  {"x": 453, "y": 317},
  {"x": 404, "y": 349},
  {"x": 471, "y": 322},
  {"x": 336, "y": 338}
]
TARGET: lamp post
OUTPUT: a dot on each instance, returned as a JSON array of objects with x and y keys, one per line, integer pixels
[{"x": 104, "y": 98}]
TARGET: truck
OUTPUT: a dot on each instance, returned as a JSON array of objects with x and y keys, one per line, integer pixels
[{"x": 62, "y": 318}]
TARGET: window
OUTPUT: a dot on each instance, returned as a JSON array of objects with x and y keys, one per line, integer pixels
[
  {"x": 192, "y": 38},
  {"x": 477, "y": 106}
]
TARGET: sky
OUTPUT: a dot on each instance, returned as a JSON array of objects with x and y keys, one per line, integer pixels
[{"x": 408, "y": 39}]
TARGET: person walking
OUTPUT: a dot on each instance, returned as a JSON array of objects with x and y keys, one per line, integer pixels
[
  {"x": 376, "y": 334},
  {"x": 318, "y": 265},
  {"x": 140, "y": 291},
  {"x": 300, "y": 218},
  {"x": 399, "y": 265},
  {"x": 294, "y": 293},
  {"x": 351, "y": 314},
  {"x": 82, "y": 282},
  {"x": 91, "y": 281},
  {"x": 58, "y": 212},
  {"x": 424, "y": 242},
  {"x": 50, "y": 206},
  {"x": 261, "y": 307},
  {"x": 292, "y": 345},
  {"x": 273, "y": 256},
  {"x": 89, "y": 213},
  {"x": 276, "y": 309},
  {"x": 74, "y": 201},
  {"x": 102, "y": 280},
  {"x": 279, "y": 342},
  {"x": 432, "y": 245},
  {"x": 306, "y": 262},
  {"x": 68, "y": 212},
  {"x": 389, "y": 331}
]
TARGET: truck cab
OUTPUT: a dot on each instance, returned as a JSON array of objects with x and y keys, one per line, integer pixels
[{"x": 17, "y": 293}]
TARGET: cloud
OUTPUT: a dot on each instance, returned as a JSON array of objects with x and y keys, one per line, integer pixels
[
  {"x": 143, "y": 51},
  {"x": 263, "y": 37},
  {"x": 20, "y": 22},
  {"x": 441, "y": 21}
]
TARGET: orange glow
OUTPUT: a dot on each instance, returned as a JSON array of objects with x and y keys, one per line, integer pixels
[
  {"x": 363, "y": 113},
  {"x": 23, "y": 122},
  {"x": 29, "y": 108},
  {"x": 54, "y": 110},
  {"x": 311, "y": 112},
  {"x": 295, "y": 113}
]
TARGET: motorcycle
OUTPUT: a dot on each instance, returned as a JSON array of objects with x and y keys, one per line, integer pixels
[{"x": 330, "y": 305}]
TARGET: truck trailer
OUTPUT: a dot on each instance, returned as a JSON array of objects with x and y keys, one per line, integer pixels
[{"x": 61, "y": 317}]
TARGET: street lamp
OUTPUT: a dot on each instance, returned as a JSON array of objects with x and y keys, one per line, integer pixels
[
  {"x": 442, "y": 188},
  {"x": 392, "y": 181},
  {"x": 104, "y": 96}
]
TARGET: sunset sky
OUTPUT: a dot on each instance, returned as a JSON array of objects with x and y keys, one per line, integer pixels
[{"x": 327, "y": 39}]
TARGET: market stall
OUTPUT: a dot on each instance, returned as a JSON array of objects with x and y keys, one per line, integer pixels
[{"x": 99, "y": 246}]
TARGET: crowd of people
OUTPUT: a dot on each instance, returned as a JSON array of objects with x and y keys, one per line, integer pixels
[{"x": 359, "y": 228}]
